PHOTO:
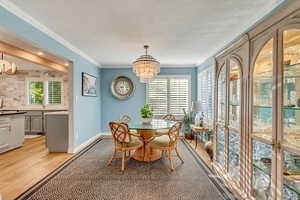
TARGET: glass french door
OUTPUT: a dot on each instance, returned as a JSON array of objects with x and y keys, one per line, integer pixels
[
  {"x": 234, "y": 119},
  {"x": 289, "y": 115},
  {"x": 221, "y": 117},
  {"x": 276, "y": 119},
  {"x": 262, "y": 122},
  {"x": 229, "y": 119}
]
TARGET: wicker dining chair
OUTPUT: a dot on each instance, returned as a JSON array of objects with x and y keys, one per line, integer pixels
[
  {"x": 169, "y": 117},
  {"x": 124, "y": 142},
  {"x": 125, "y": 118},
  {"x": 168, "y": 143}
]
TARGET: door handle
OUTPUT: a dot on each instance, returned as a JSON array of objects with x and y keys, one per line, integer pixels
[{"x": 276, "y": 145}]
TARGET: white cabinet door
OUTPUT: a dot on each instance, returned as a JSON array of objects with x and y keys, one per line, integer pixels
[
  {"x": 17, "y": 130},
  {"x": 4, "y": 137}
]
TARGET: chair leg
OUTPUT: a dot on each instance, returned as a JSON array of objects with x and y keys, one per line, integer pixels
[
  {"x": 123, "y": 160},
  {"x": 112, "y": 158},
  {"x": 170, "y": 160},
  {"x": 179, "y": 155},
  {"x": 162, "y": 153}
]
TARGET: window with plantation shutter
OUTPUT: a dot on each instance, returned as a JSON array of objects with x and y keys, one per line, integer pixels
[
  {"x": 49, "y": 92},
  {"x": 206, "y": 92},
  {"x": 158, "y": 96},
  {"x": 169, "y": 95}
]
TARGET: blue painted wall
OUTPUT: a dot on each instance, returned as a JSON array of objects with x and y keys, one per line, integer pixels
[
  {"x": 112, "y": 107},
  {"x": 87, "y": 110}
]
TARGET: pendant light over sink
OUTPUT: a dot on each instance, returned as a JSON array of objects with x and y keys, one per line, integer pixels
[{"x": 146, "y": 67}]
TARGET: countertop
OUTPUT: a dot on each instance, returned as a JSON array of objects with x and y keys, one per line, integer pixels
[
  {"x": 57, "y": 113},
  {"x": 11, "y": 113}
]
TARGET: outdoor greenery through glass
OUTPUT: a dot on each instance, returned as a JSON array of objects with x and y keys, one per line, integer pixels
[{"x": 36, "y": 89}]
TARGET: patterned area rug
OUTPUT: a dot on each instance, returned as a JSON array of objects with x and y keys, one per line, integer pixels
[{"x": 87, "y": 176}]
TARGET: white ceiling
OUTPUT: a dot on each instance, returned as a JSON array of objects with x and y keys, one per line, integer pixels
[{"x": 180, "y": 32}]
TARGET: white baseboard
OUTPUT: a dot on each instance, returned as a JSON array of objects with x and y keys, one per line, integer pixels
[
  {"x": 87, "y": 143},
  {"x": 107, "y": 133}
]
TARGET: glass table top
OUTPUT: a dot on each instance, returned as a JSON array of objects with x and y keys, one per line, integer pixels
[{"x": 155, "y": 124}]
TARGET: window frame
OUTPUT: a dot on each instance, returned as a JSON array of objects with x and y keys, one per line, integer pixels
[
  {"x": 45, "y": 88},
  {"x": 188, "y": 77}
]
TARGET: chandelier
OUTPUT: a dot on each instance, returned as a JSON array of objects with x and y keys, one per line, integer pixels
[
  {"x": 7, "y": 68},
  {"x": 146, "y": 67}
]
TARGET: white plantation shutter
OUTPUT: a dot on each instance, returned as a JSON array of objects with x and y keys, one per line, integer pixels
[
  {"x": 158, "y": 96},
  {"x": 206, "y": 92},
  {"x": 54, "y": 92},
  {"x": 178, "y": 96},
  {"x": 169, "y": 95}
]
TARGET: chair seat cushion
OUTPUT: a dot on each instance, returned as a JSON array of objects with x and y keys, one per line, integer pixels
[
  {"x": 135, "y": 142},
  {"x": 161, "y": 141},
  {"x": 162, "y": 132},
  {"x": 133, "y": 131}
]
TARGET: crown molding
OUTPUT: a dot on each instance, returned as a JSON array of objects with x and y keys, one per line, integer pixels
[{"x": 26, "y": 17}]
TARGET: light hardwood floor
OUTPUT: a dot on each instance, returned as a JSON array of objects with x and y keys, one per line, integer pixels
[{"x": 23, "y": 167}]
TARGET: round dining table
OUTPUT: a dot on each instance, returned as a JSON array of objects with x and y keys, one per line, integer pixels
[{"x": 146, "y": 132}]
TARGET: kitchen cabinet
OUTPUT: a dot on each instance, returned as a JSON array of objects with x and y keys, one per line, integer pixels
[
  {"x": 57, "y": 131},
  {"x": 4, "y": 133},
  {"x": 37, "y": 124},
  {"x": 12, "y": 129},
  {"x": 35, "y": 121}
]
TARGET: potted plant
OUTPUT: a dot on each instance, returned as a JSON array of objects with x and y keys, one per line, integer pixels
[
  {"x": 187, "y": 121},
  {"x": 146, "y": 114}
]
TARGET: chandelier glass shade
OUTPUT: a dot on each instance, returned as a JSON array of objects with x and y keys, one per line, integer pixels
[
  {"x": 7, "y": 68},
  {"x": 146, "y": 67}
]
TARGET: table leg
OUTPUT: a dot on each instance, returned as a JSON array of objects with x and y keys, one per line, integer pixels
[{"x": 146, "y": 154}]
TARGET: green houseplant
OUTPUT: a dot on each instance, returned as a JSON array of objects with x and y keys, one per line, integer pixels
[{"x": 146, "y": 114}]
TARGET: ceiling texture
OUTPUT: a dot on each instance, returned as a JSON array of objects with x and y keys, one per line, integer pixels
[{"x": 180, "y": 32}]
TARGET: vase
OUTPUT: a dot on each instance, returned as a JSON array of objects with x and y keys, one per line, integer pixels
[{"x": 146, "y": 120}]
